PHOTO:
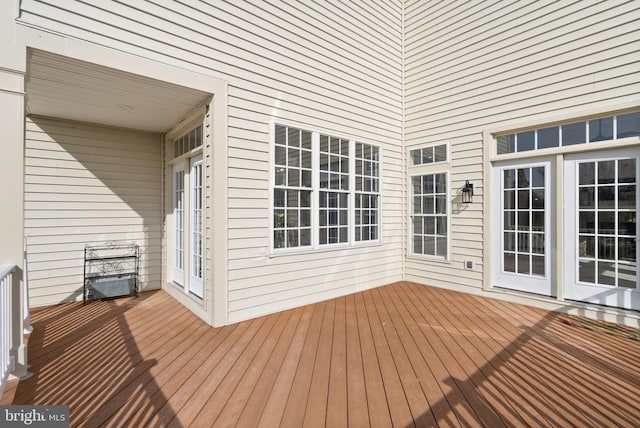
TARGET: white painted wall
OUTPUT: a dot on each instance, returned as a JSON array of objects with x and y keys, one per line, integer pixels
[
  {"x": 334, "y": 66},
  {"x": 344, "y": 68},
  {"x": 476, "y": 66},
  {"x": 87, "y": 184}
]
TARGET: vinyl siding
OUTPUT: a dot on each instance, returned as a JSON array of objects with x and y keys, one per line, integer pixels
[
  {"x": 334, "y": 67},
  {"x": 86, "y": 184},
  {"x": 473, "y": 66}
]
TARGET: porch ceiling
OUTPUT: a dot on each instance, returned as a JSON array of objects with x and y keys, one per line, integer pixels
[{"x": 67, "y": 88}]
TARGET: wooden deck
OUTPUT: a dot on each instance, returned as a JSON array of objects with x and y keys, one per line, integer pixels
[{"x": 400, "y": 355}]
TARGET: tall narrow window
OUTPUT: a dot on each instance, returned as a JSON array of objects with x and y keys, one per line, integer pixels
[
  {"x": 178, "y": 215},
  {"x": 367, "y": 192},
  {"x": 196, "y": 229},
  {"x": 334, "y": 190},
  {"x": 429, "y": 219},
  {"x": 292, "y": 191}
]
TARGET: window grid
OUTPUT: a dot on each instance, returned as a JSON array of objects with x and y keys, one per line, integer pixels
[
  {"x": 367, "y": 178},
  {"x": 606, "y": 222},
  {"x": 431, "y": 154},
  {"x": 587, "y": 131},
  {"x": 316, "y": 189},
  {"x": 179, "y": 218},
  {"x": 293, "y": 181},
  {"x": 334, "y": 217},
  {"x": 334, "y": 205},
  {"x": 429, "y": 232},
  {"x": 196, "y": 227},
  {"x": 187, "y": 142},
  {"x": 524, "y": 221},
  {"x": 292, "y": 218}
]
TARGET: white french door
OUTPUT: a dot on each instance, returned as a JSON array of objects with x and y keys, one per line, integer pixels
[
  {"x": 187, "y": 252},
  {"x": 178, "y": 224},
  {"x": 196, "y": 239},
  {"x": 601, "y": 237},
  {"x": 522, "y": 229}
]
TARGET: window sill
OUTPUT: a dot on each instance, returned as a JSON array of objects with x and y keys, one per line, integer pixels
[
  {"x": 427, "y": 258},
  {"x": 328, "y": 249}
]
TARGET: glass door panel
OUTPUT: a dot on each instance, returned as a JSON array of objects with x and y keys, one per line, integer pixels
[
  {"x": 178, "y": 222},
  {"x": 196, "y": 227},
  {"x": 522, "y": 229},
  {"x": 601, "y": 228}
]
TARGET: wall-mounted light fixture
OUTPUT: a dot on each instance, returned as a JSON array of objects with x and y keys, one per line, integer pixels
[{"x": 467, "y": 193}]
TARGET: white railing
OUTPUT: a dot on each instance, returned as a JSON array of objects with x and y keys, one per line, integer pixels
[
  {"x": 6, "y": 279},
  {"x": 25, "y": 287}
]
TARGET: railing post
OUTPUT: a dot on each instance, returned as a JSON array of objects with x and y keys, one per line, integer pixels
[
  {"x": 5, "y": 325},
  {"x": 25, "y": 299},
  {"x": 18, "y": 346},
  {"x": 13, "y": 349}
]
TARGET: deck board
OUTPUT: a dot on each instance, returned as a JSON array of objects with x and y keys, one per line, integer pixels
[
  {"x": 357, "y": 405},
  {"x": 337, "y": 393},
  {"x": 314, "y": 405},
  {"x": 396, "y": 400},
  {"x": 252, "y": 410},
  {"x": 374, "y": 387},
  {"x": 293, "y": 405},
  {"x": 400, "y": 355},
  {"x": 425, "y": 329}
]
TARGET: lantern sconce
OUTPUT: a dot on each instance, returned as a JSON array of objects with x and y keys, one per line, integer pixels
[{"x": 467, "y": 193}]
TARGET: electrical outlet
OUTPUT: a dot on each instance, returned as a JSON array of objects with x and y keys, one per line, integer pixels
[{"x": 468, "y": 264}]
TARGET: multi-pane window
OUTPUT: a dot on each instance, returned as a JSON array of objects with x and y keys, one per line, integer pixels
[
  {"x": 429, "y": 215},
  {"x": 196, "y": 219},
  {"x": 429, "y": 154},
  {"x": 292, "y": 192},
  {"x": 178, "y": 211},
  {"x": 524, "y": 220},
  {"x": 587, "y": 131},
  {"x": 292, "y": 218},
  {"x": 367, "y": 175},
  {"x": 188, "y": 141},
  {"x": 607, "y": 222},
  {"x": 334, "y": 190},
  {"x": 326, "y": 189}
]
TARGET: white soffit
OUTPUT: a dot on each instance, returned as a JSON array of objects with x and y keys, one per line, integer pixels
[{"x": 67, "y": 88}]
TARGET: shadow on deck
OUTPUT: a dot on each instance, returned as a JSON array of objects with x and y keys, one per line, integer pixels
[{"x": 399, "y": 355}]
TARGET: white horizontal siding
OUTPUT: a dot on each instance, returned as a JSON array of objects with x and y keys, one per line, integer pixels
[
  {"x": 260, "y": 44},
  {"x": 470, "y": 66},
  {"x": 333, "y": 66},
  {"x": 318, "y": 285},
  {"x": 88, "y": 184}
]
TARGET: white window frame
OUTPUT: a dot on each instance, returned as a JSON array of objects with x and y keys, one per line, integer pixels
[
  {"x": 492, "y": 136},
  {"x": 184, "y": 163},
  {"x": 178, "y": 271},
  {"x": 411, "y": 215},
  {"x": 427, "y": 169},
  {"x": 525, "y": 282},
  {"x": 316, "y": 190},
  {"x": 196, "y": 273},
  {"x": 410, "y": 163},
  {"x": 378, "y": 180},
  {"x": 611, "y": 295}
]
